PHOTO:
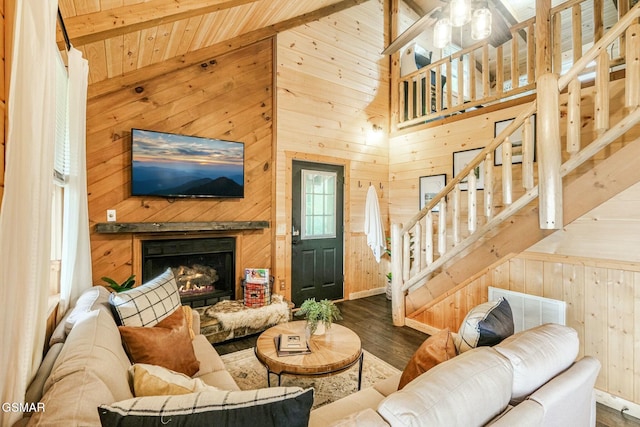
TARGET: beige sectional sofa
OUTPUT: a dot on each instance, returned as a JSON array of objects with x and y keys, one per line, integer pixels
[{"x": 529, "y": 379}]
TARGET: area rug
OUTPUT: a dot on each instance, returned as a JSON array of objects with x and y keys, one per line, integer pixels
[{"x": 250, "y": 374}]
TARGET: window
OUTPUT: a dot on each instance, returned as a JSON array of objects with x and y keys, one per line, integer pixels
[
  {"x": 60, "y": 174},
  {"x": 319, "y": 204}
]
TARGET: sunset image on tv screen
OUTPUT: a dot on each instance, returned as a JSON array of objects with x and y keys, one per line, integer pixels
[{"x": 170, "y": 165}]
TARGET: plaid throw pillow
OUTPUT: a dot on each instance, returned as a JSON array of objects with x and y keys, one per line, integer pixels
[
  {"x": 148, "y": 304},
  {"x": 267, "y": 407}
]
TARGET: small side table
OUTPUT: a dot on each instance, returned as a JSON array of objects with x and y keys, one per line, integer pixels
[{"x": 335, "y": 351}]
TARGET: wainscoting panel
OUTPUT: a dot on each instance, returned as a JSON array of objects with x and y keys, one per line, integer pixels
[{"x": 603, "y": 305}]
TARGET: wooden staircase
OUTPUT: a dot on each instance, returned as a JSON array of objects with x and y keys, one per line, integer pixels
[{"x": 437, "y": 254}]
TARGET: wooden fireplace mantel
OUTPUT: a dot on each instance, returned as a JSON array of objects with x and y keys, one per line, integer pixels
[{"x": 165, "y": 227}]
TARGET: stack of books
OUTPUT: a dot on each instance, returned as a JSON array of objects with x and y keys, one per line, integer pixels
[{"x": 291, "y": 344}]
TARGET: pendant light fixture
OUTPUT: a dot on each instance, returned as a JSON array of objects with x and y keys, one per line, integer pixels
[
  {"x": 461, "y": 13},
  {"x": 442, "y": 33},
  {"x": 481, "y": 23}
]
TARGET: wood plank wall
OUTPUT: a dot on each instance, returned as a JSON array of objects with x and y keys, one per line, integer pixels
[
  {"x": 228, "y": 97},
  {"x": 593, "y": 264},
  {"x": 333, "y": 87}
]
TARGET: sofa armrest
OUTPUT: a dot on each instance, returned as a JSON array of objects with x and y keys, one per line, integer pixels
[
  {"x": 571, "y": 389},
  {"x": 196, "y": 322}
]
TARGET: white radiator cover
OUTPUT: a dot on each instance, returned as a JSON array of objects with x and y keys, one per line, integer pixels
[{"x": 529, "y": 310}]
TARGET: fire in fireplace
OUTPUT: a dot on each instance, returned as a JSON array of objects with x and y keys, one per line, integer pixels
[
  {"x": 204, "y": 267},
  {"x": 195, "y": 279}
]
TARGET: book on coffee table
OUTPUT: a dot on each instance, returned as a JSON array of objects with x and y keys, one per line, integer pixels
[{"x": 291, "y": 345}]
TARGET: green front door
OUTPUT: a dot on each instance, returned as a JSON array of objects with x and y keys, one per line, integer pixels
[{"x": 317, "y": 232}]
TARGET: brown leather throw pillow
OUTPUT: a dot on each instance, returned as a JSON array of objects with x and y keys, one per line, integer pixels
[
  {"x": 436, "y": 349},
  {"x": 166, "y": 344}
]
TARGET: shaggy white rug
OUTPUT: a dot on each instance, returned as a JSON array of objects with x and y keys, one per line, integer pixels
[
  {"x": 234, "y": 315},
  {"x": 250, "y": 374}
]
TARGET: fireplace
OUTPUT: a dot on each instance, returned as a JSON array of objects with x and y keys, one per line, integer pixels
[{"x": 204, "y": 267}]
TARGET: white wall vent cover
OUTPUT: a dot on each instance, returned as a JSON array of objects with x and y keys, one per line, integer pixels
[{"x": 530, "y": 311}]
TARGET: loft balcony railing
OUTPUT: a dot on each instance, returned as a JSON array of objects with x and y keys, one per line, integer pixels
[{"x": 482, "y": 75}]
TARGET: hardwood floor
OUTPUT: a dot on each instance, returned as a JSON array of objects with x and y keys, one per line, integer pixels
[{"x": 370, "y": 318}]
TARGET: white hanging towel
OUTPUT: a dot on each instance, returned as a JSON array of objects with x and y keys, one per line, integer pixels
[{"x": 373, "y": 224}]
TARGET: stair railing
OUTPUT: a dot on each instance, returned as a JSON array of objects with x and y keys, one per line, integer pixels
[{"x": 414, "y": 242}]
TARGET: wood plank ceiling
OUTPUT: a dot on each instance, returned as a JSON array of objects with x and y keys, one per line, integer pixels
[{"x": 121, "y": 36}]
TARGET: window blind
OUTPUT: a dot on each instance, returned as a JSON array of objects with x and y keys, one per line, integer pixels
[{"x": 62, "y": 154}]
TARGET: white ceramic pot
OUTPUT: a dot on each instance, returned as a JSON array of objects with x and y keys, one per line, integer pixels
[{"x": 321, "y": 329}]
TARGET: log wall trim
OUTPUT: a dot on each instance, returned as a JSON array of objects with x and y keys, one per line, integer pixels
[{"x": 163, "y": 227}]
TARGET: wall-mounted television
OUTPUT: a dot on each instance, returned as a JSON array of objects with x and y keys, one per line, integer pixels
[{"x": 170, "y": 165}]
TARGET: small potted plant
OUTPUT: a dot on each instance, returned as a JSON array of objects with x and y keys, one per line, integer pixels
[
  {"x": 124, "y": 286},
  {"x": 319, "y": 314}
]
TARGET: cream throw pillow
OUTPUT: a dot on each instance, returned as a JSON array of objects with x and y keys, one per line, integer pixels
[{"x": 154, "y": 380}]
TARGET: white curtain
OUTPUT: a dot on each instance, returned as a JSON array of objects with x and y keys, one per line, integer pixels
[
  {"x": 75, "y": 272},
  {"x": 25, "y": 215}
]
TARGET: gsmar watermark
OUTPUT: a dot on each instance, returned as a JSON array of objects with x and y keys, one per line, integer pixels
[{"x": 22, "y": 407}]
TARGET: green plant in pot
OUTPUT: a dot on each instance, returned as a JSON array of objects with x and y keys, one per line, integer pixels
[
  {"x": 124, "y": 286},
  {"x": 319, "y": 314}
]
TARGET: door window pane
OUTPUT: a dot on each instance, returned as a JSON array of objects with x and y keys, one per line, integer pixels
[{"x": 318, "y": 211}]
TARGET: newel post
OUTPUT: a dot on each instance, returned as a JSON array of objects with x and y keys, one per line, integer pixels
[
  {"x": 397, "y": 295},
  {"x": 548, "y": 138},
  {"x": 549, "y": 152}
]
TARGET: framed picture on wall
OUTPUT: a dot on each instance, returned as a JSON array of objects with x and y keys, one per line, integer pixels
[
  {"x": 516, "y": 141},
  {"x": 460, "y": 161},
  {"x": 430, "y": 186}
]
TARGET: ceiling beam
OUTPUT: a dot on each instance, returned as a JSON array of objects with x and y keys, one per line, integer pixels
[
  {"x": 202, "y": 55},
  {"x": 103, "y": 25},
  {"x": 507, "y": 12},
  {"x": 411, "y": 33},
  {"x": 415, "y": 7}
]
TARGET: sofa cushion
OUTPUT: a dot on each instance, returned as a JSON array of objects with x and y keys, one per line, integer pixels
[
  {"x": 166, "y": 344},
  {"x": 468, "y": 390},
  {"x": 90, "y": 370},
  {"x": 486, "y": 325},
  {"x": 147, "y": 304},
  {"x": 92, "y": 344},
  {"x": 209, "y": 359},
  {"x": 367, "y": 417},
  {"x": 388, "y": 385},
  {"x": 526, "y": 414},
  {"x": 154, "y": 380},
  {"x": 537, "y": 355},
  {"x": 72, "y": 401},
  {"x": 221, "y": 380},
  {"x": 436, "y": 349},
  {"x": 275, "y": 406},
  {"x": 340, "y": 409}
]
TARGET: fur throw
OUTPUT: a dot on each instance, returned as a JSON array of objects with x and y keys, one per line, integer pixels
[{"x": 234, "y": 315}]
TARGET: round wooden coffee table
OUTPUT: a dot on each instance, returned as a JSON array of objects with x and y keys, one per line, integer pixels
[{"x": 335, "y": 351}]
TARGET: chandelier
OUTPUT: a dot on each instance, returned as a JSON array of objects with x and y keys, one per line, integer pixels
[{"x": 461, "y": 12}]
